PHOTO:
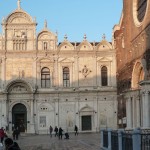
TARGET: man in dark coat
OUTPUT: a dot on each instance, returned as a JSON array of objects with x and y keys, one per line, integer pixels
[
  {"x": 56, "y": 131},
  {"x": 76, "y": 130},
  {"x": 60, "y": 133}
]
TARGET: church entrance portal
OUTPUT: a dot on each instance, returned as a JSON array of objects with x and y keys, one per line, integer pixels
[
  {"x": 86, "y": 123},
  {"x": 19, "y": 117}
]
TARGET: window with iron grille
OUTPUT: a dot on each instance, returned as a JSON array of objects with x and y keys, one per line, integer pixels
[
  {"x": 66, "y": 77},
  {"x": 141, "y": 9},
  {"x": 45, "y": 78},
  {"x": 104, "y": 76}
]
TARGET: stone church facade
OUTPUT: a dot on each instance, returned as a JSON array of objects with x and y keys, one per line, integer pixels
[
  {"x": 132, "y": 44},
  {"x": 44, "y": 83}
]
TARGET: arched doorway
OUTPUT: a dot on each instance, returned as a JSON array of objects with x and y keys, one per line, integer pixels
[{"x": 19, "y": 117}]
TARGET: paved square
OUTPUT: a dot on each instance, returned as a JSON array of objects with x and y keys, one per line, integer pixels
[{"x": 86, "y": 141}]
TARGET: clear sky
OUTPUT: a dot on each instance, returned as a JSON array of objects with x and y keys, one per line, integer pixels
[{"x": 72, "y": 17}]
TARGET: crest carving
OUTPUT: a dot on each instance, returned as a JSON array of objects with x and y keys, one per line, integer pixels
[{"x": 85, "y": 71}]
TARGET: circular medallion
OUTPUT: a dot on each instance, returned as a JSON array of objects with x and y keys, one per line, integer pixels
[{"x": 139, "y": 11}]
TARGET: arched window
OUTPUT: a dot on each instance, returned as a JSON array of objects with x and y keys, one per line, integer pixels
[
  {"x": 45, "y": 45},
  {"x": 66, "y": 77},
  {"x": 45, "y": 78},
  {"x": 104, "y": 76}
]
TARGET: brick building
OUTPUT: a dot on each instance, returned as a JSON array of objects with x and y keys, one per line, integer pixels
[{"x": 132, "y": 44}]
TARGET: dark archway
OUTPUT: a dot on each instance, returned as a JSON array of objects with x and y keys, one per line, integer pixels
[{"x": 19, "y": 117}]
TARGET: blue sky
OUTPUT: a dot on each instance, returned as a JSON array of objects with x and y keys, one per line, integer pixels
[{"x": 72, "y": 17}]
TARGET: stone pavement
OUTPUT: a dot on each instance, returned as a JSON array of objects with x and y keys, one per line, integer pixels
[{"x": 86, "y": 141}]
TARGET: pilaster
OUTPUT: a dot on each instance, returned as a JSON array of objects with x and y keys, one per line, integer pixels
[{"x": 145, "y": 101}]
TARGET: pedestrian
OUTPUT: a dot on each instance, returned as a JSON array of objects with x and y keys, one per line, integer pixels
[
  {"x": 14, "y": 133},
  {"x": 10, "y": 145},
  {"x": 50, "y": 130},
  {"x": 17, "y": 133},
  {"x": 60, "y": 134},
  {"x": 56, "y": 131},
  {"x": 66, "y": 135},
  {"x": 2, "y": 134},
  {"x": 76, "y": 130}
]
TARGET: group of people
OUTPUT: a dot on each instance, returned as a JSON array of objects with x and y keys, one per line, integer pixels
[
  {"x": 59, "y": 132},
  {"x": 6, "y": 142}
]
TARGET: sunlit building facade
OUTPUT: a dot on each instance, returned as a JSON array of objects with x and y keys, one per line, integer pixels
[{"x": 43, "y": 82}]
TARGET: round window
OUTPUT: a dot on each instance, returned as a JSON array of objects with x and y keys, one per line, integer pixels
[{"x": 139, "y": 11}]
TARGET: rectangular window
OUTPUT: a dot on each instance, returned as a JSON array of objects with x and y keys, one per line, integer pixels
[{"x": 42, "y": 121}]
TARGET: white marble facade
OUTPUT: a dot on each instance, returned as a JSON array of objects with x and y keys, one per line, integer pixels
[{"x": 80, "y": 100}]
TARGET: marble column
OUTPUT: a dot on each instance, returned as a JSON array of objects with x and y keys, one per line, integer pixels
[
  {"x": 56, "y": 112},
  {"x": 95, "y": 71},
  {"x": 38, "y": 74},
  {"x": 34, "y": 72},
  {"x": 77, "y": 111},
  {"x": 145, "y": 99},
  {"x": 76, "y": 72},
  {"x": 32, "y": 127},
  {"x": 35, "y": 116},
  {"x": 138, "y": 112},
  {"x": 3, "y": 72},
  {"x": 56, "y": 83},
  {"x": 129, "y": 113}
]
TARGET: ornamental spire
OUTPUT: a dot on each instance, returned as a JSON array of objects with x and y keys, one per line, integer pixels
[
  {"x": 45, "y": 24},
  {"x": 19, "y": 4},
  {"x": 65, "y": 37},
  {"x": 84, "y": 37},
  {"x": 104, "y": 37}
]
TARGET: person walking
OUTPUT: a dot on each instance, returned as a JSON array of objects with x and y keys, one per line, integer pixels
[
  {"x": 60, "y": 134},
  {"x": 2, "y": 134},
  {"x": 14, "y": 134},
  {"x": 50, "y": 130},
  {"x": 17, "y": 133},
  {"x": 56, "y": 131},
  {"x": 76, "y": 130}
]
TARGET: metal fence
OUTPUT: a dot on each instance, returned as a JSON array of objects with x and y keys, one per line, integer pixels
[
  {"x": 114, "y": 140},
  {"x": 137, "y": 139},
  {"x": 105, "y": 141},
  {"x": 127, "y": 143}
]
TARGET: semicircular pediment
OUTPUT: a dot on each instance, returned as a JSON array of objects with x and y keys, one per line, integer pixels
[
  {"x": 45, "y": 35},
  {"x": 85, "y": 45},
  {"x": 87, "y": 108},
  {"x": 66, "y": 46},
  {"x": 19, "y": 17},
  {"x": 18, "y": 88},
  {"x": 104, "y": 45},
  {"x": 19, "y": 20}
]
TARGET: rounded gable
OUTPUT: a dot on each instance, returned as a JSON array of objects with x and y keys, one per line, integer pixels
[
  {"x": 19, "y": 16},
  {"x": 65, "y": 46},
  {"x": 45, "y": 35},
  {"x": 85, "y": 45},
  {"x": 104, "y": 45}
]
